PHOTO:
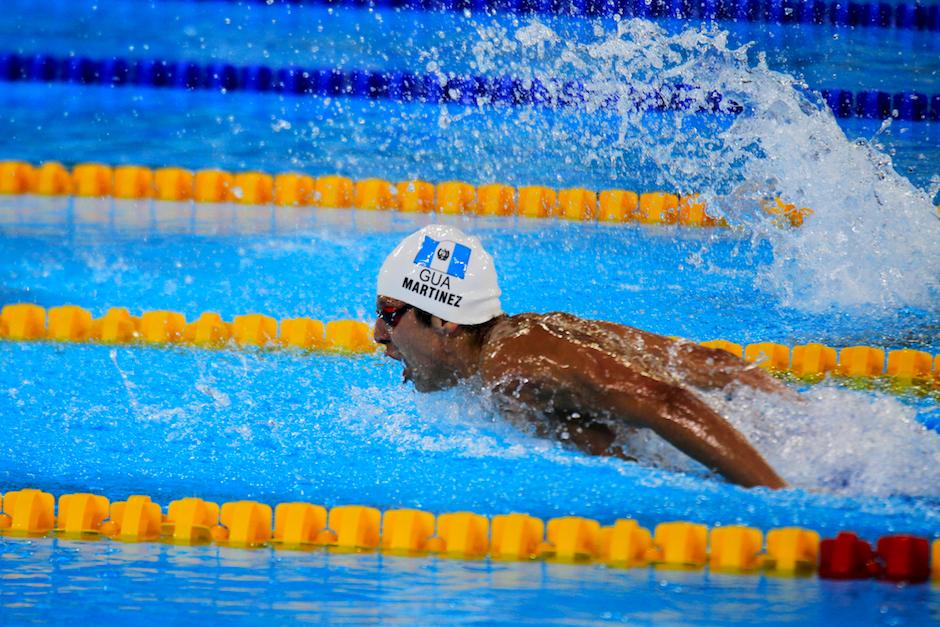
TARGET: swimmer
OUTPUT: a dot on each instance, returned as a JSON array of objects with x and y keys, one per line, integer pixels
[{"x": 572, "y": 379}]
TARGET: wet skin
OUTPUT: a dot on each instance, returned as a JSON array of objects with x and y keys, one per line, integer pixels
[{"x": 577, "y": 380}]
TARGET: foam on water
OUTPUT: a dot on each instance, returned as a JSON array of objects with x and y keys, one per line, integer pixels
[
  {"x": 832, "y": 440},
  {"x": 839, "y": 441},
  {"x": 279, "y": 427},
  {"x": 870, "y": 241}
]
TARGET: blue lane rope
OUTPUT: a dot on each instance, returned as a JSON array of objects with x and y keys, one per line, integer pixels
[
  {"x": 410, "y": 87},
  {"x": 839, "y": 13},
  {"x": 398, "y": 86}
]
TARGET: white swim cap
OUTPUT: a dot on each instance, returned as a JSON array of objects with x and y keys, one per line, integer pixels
[{"x": 444, "y": 272}]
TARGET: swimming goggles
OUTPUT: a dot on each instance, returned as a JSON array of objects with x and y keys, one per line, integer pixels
[{"x": 392, "y": 315}]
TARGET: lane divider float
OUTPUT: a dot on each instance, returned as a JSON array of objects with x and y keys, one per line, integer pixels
[
  {"x": 394, "y": 85},
  {"x": 69, "y": 323},
  {"x": 467, "y": 535},
  {"x": 415, "y": 196},
  {"x": 402, "y": 86},
  {"x": 812, "y": 362},
  {"x": 838, "y": 13}
]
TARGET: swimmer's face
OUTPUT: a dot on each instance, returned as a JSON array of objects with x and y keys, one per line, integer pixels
[{"x": 418, "y": 346}]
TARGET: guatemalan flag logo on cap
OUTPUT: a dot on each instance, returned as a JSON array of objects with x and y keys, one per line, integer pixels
[{"x": 444, "y": 256}]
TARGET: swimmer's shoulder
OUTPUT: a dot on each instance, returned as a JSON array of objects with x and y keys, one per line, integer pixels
[
  {"x": 521, "y": 340},
  {"x": 520, "y": 327},
  {"x": 555, "y": 326}
]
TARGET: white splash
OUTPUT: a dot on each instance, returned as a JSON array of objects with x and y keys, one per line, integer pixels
[
  {"x": 455, "y": 421},
  {"x": 870, "y": 241},
  {"x": 838, "y": 440},
  {"x": 834, "y": 441}
]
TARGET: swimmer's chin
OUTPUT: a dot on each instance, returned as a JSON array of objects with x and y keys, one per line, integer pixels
[
  {"x": 424, "y": 386},
  {"x": 421, "y": 384}
]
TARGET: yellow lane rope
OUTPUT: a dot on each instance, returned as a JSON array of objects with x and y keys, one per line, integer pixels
[
  {"x": 70, "y": 323},
  {"x": 462, "y": 535},
  {"x": 414, "y": 196}
]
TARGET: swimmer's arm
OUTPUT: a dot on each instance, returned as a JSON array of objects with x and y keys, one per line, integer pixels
[
  {"x": 541, "y": 378},
  {"x": 712, "y": 368},
  {"x": 690, "y": 425},
  {"x": 701, "y": 366},
  {"x": 673, "y": 413}
]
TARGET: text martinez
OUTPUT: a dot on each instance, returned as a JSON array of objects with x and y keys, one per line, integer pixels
[{"x": 432, "y": 285}]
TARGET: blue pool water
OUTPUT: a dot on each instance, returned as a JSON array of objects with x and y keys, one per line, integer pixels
[
  {"x": 248, "y": 587},
  {"x": 376, "y": 139},
  {"x": 279, "y": 426}
]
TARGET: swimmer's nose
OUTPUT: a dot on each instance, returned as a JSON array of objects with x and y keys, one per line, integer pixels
[
  {"x": 380, "y": 332},
  {"x": 381, "y": 335}
]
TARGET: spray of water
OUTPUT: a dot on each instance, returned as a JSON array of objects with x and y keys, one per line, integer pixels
[
  {"x": 840, "y": 441},
  {"x": 870, "y": 240},
  {"x": 831, "y": 440}
]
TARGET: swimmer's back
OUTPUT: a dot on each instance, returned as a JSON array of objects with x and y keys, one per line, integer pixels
[
  {"x": 558, "y": 344},
  {"x": 595, "y": 348},
  {"x": 585, "y": 375}
]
